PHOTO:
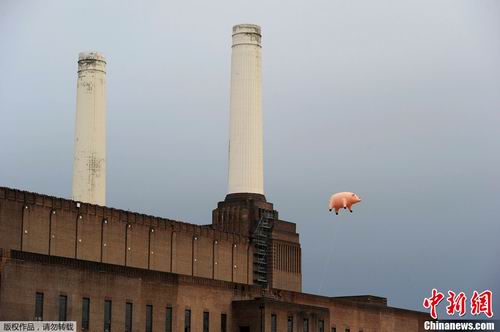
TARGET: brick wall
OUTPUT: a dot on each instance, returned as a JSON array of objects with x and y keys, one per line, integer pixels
[
  {"x": 209, "y": 269},
  {"x": 53, "y": 226},
  {"x": 286, "y": 265},
  {"x": 24, "y": 274},
  {"x": 21, "y": 277}
]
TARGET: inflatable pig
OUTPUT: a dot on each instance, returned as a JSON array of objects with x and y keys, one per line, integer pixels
[{"x": 343, "y": 200}]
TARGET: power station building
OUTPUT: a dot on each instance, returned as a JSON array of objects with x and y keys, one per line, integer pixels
[{"x": 115, "y": 270}]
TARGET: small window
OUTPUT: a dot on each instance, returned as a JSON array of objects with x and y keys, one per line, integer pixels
[
  {"x": 187, "y": 320},
  {"x": 149, "y": 318},
  {"x": 128, "y": 316},
  {"x": 168, "y": 320},
  {"x": 347, "y": 330},
  {"x": 85, "y": 313},
  {"x": 223, "y": 323},
  {"x": 321, "y": 326},
  {"x": 206, "y": 321},
  {"x": 290, "y": 324},
  {"x": 39, "y": 306},
  {"x": 306, "y": 325},
  {"x": 63, "y": 307},
  {"x": 334, "y": 329},
  {"x": 107, "y": 316},
  {"x": 273, "y": 323}
]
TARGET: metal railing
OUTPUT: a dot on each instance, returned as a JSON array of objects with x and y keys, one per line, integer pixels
[{"x": 260, "y": 240}]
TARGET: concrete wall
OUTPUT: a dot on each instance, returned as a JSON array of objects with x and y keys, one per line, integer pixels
[{"x": 53, "y": 226}]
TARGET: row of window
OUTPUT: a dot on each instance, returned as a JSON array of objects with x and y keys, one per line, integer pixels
[
  {"x": 85, "y": 322},
  {"x": 305, "y": 326},
  {"x": 334, "y": 329}
]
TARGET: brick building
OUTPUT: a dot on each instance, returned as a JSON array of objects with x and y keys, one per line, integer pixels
[{"x": 115, "y": 270}]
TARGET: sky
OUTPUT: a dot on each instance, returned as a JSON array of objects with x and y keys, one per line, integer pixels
[{"x": 398, "y": 101}]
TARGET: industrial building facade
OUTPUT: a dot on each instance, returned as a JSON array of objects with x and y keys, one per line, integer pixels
[{"x": 115, "y": 270}]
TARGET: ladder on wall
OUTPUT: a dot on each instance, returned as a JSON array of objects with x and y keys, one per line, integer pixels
[{"x": 261, "y": 237}]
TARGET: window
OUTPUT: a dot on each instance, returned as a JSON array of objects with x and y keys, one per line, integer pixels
[
  {"x": 306, "y": 325},
  {"x": 63, "y": 305},
  {"x": 273, "y": 323},
  {"x": 149, "y": 318},
  {"x": 223, "y": 323},
  {"x": 347, "y": 330},
  {"x": 321, "y": 326},
  {"x": 39, "y": 306},
  {"x": 168, "y": 320},
  {"x": 206, "y": 319},
  {"x": 290, "y": 324},
  {"x": 187, "y": 320},
  {"x": 107, "y": 316},
  {"x": 128, "y": 316},
  {"x": 85, "y": 313},
  {"x": 334, "y": 329}
]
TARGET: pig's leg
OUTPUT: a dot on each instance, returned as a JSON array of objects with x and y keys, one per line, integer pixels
[
  {"x": 344, "y": 203},
  {"x": 350, "y": 207},
  {"x": 336, "y": 211}
]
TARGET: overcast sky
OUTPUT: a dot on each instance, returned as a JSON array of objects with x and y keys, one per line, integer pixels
[{"x": 398, "y": 101}]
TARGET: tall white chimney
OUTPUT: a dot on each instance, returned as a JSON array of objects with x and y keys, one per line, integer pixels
[
  {"x": 89, "y": 164},
  {"x": 246, "y": 173}
]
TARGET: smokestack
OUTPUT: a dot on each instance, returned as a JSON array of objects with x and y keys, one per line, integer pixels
[
  {"x": 246, "y": 173},
  {"x": 89, "y": 164}
]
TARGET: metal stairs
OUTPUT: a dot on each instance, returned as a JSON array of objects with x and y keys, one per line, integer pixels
[{"x": 260, "y": 239}]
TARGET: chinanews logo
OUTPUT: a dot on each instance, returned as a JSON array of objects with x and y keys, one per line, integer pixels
[{"x": 458, "y": 304}]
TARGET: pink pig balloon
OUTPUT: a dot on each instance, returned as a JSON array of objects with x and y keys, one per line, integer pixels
[{"x": 343, "y": 200}]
